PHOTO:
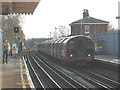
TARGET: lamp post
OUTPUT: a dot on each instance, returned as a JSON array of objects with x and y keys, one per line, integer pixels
[
  {"x": 50, "y": 34},
  {"x": 81, "y": 26},
  {"x": 118, "y": 17},
  {"x": 118, "y": 22}
]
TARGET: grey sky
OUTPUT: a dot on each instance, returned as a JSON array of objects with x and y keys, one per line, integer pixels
[{"x": 52, "y": 13}]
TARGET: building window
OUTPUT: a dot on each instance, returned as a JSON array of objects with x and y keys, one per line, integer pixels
[{"x": 87, "y": 31}]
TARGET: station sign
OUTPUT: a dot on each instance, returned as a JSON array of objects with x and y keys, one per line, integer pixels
[
  {"x": 98, "y": 47},
  {"x": 14, "y": 49}
]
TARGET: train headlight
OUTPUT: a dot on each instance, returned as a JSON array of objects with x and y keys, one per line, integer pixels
[
  {"x": 89, "y": 55},
  {"x": 71, "y": 55}
]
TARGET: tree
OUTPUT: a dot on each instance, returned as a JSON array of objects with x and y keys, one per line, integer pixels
[
  {"x": 8, "y": 24},
  {"x": 61, "y": 31},
  {"x": 110, "y": 28}
]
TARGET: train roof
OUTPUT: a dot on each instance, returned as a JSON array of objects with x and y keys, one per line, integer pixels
[
  {"x": 63, "y": 39},
  {"x": 70, "y": 37}
]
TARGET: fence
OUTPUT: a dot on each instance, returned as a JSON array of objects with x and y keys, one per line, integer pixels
[{"x": 109, "y": 42}]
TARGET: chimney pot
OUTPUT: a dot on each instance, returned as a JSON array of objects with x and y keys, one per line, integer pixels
[{"x": 85, "y": 13}]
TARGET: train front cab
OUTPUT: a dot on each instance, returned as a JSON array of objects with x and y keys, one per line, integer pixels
[{"x": 79, "y": 49}]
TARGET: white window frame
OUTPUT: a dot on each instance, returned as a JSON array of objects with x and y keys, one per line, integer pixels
[{"x": 87, "y": 29}]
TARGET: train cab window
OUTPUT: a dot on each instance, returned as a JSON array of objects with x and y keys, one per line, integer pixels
[{"x": 71, "y": 45}]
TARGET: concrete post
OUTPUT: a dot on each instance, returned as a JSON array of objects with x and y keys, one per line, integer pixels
[
  {"x": 1, "y": 41},
  {"x": 119, "y": 15},
  {"x": 1, "y": 54}
]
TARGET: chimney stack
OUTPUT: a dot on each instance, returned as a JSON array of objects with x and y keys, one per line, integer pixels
[{"x": 85, "y": 13}]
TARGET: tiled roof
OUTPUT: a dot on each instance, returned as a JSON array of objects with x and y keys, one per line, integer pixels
[{"x": 90, "y": 20}]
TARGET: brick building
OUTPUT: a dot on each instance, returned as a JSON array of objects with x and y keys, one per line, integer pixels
[{"x": 88, "y": 25}]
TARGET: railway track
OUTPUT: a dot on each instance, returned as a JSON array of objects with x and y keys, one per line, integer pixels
[
  {"x": 67, "y": 77},
  {"x": 96, "y": 79},
  {"x": 48, "y": 76}
]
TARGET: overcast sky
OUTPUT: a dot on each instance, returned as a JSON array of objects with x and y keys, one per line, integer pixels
[{"x": 53, "y": 13}]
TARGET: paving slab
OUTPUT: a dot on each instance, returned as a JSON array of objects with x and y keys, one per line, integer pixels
[{"x": 13, "y": 74}]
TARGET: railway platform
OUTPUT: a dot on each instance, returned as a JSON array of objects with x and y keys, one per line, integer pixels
[
  {"x": 108, "y": 58},
  {"x": 13, "y": 74}
]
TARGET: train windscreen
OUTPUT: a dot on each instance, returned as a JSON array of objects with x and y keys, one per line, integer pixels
[{"x": 80, "y": 47}]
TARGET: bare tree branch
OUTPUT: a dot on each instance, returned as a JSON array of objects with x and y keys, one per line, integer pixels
[
  {"x": 61, "y": 31},
  {"x": 110, "y": 28}
]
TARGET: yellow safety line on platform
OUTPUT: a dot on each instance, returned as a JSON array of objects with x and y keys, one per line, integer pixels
[
  {"x": 21, "y": 83},
  {"x": 22, "y": 80}
]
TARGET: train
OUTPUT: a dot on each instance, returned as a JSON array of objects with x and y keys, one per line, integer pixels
[{"x": 76, "y": 48}]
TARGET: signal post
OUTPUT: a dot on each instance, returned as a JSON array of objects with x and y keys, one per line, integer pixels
[{"x": 15, "y": 45}]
